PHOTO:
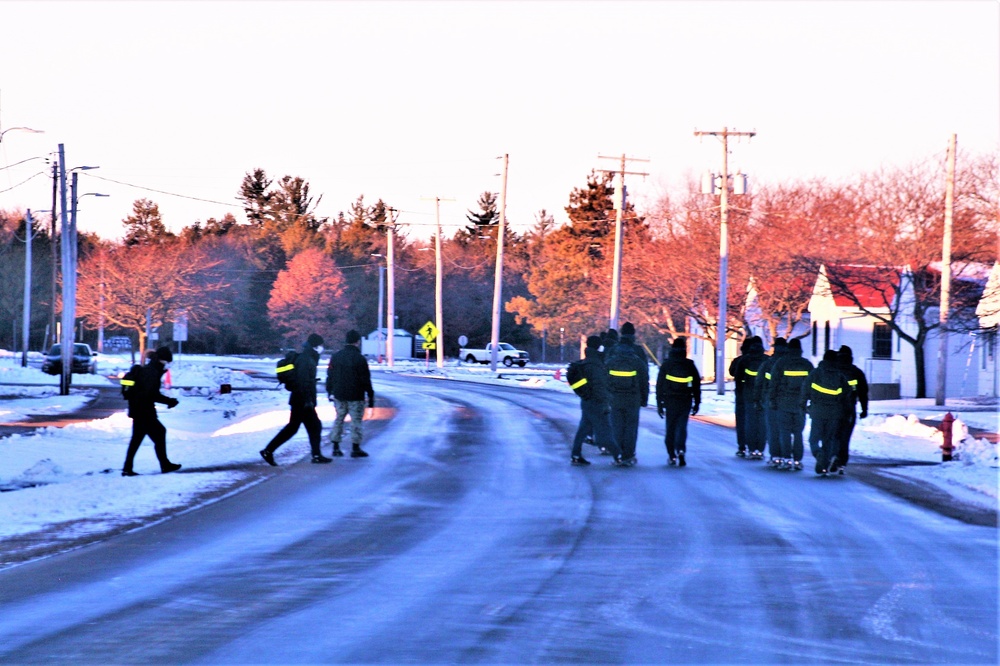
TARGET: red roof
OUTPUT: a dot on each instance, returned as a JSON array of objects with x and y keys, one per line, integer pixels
[{"x": 870, "y": 287}]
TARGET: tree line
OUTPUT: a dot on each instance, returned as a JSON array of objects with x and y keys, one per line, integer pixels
[{"x": 263, "y": 284}]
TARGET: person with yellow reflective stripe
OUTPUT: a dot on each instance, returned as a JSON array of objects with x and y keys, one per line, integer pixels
[
  {"x": 789, "y": 374},
  {"x": 826, "y": 393},
  {"x": 628, "y": 382},
  {"x": 859, "y": 393},
  {"x": 753, "y": 412},
  {"x": 762, "y": 396},
  {"x": 142, "y": 394},
  {"x": 678, "y": 396},
  {"x": 595, "y": 407},
  {"x": 736, "y": 372}
]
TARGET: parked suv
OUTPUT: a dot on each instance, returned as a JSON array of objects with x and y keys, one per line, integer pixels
[{"x": 84, "y": 360}]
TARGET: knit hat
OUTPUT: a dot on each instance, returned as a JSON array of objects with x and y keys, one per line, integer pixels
[
  {"x": 628, "y": 328},
  {"x": 314, "y": 340},
  {"x": 846, "y": 354},
  {"x": 795, "y": 344},
  {"x": 611, "y": 336},
  {"x": 679, "y": 343},
  {"x": 594, "y": 342},
  {"x": 780, "y": 342},
  {"x": 165, "y": 355},
  {"x": 830, "y": 355},
  {"x": 352, "y": 337}
]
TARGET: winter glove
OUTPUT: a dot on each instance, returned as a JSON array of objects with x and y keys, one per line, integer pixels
[
  {"x": 329, "y": 397},
  {"x": 371, "y": 402},
  {"x": 694, "y": 410},
  {"x": 864, "y": 413},
  {"x": 659, "y": 411},
  {"x": 172, "y": 403}
]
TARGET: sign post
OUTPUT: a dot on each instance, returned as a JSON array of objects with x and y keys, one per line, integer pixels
[{"x": 430, "y": 333}]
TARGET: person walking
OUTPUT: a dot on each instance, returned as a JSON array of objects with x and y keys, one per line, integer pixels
[
  {"x": 141, "y": 388},
  {"x": 859, "y": 393},
  {"x": 736, "y": 372},
  {"x": 589, "y": 380},
  {"x": 762, "y": 396},
  {"x": 348, "y": 381},
  {"x": 825, "y": 393},
  {"x": 788, "y": 376},
  {"x": 678, "y": 396},
  {"x": 302, "y": 402},
  {"x": 753, "y": 411},
  {"x": 628, "y": 381}
]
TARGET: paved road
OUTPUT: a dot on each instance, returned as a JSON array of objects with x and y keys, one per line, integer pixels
[{"x": 468, "y": 538}]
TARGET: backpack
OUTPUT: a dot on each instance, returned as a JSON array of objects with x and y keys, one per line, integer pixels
[
  {"x": 622, "y": 374},
  {"x": 286, "y": 371},
  {"x": 577, "y": 380},
  {"x": 129, "y": 380}
]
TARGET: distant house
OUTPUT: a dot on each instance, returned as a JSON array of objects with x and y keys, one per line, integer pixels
[
  {"x": 846, "y": 309},
  {"x": 988, "y": 335},
  {"x": 702, "y": 352},
  {"x": 373, "y": 345}
]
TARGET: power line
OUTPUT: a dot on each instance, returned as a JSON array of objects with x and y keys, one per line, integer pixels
[
  {"x": 172, "y": 194},
  {"x": 13, "y": 187}
]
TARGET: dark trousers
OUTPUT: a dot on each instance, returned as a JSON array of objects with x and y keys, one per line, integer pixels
[
  {"x": 754, "y": 427},
  {"x": 741, "y": 419},
  {"x": 772, "y": 428},
  {"x": 824, "y": 440},
  {"x": 677, "y": 413},
  {"x": 141, "y": 427},
  {"x": 625, "y": 428},
  {"x": 595, "y": 418},
  {"x": 790, "y": 425},
  {"x": 299, "y": 416},
  {"x": 844, "y": 435}
]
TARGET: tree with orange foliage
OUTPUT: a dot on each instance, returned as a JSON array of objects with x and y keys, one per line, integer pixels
[
  {"x": 309, "y": 296},
  {"x": 118, "y": 283}
]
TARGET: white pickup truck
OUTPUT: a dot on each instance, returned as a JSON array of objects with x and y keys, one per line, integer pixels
[{"x": 506, "y": 354}]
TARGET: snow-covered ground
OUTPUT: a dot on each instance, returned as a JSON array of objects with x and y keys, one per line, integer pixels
[{"x": 67, "y": 480}]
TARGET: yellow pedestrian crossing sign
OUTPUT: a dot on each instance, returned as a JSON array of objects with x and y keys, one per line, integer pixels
[{"x": 430, "y": 333}]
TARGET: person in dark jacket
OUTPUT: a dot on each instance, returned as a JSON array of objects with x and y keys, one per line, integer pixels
[
  {"x": 788, "y": 375},
  {"x": 628, "y": 381},
  {"x": 303, "y": 403},
  {"x": 678, "y": 396},
  {"x": 736, "y": 372},
  {"x": 595, "y": 405},
  {"x": 761, "y": 396},
  {"x": 348, "y": 381},
  {"x": 142, "y": 386},
  {"x": 859, "y": 393},
  {"x": 753, "y": 411},
  {"x": 825, "y": 394}
]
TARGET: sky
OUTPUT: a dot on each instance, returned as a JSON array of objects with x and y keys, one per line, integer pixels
[
  {"x": 68, "y": 478},
  {"x": 407, "y": 101}
]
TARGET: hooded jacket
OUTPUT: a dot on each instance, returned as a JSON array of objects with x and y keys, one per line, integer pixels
[
  {"x": 304, "y": 393},
  {"x": 678, "y": 379},
  {"x": 762, "y": 385},
  {"x": 348, "y": 377},
  {"x": 596, "y": 374},
  {"x": 855, "y": 377},
  {"x": 788, "y": 376},
  {"x": 750, "y": 375},
  {"x": 632, "y": 387},
  {"x": 826, "y": 391}
]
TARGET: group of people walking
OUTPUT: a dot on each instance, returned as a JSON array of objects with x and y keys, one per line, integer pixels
[
  {"x": 774, "y": 393},
  {"x": 348, "y": 383},
  {"x": 612, "y": 381}
]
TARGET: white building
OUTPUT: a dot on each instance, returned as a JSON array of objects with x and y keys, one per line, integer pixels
[{"x": 373, "y": 345}]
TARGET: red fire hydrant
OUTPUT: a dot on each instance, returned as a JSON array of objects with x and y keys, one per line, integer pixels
[{"x": 947, "y": 448}]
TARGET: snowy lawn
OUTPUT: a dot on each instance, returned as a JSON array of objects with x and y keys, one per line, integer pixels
[{"x": 68, "y": 479}]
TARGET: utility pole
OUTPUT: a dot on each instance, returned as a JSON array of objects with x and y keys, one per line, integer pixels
[
  {"x": 498, "y": 271},
  {"x": 390, "y": 314},
  {"x": 721, "y": 325},
  {"x": 438, "y": 294},
  {"x": 29, "y": 227},
  {"x": 55, "y": 262},
  {"x": 620, "y": 203},
  {"x": 949, "y": 206},
  {"x": 381, "y": 304},
  {"x": 66, "y": 334}
]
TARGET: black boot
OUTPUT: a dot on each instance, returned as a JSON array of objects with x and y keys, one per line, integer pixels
[{"x": 356, "y": 452}]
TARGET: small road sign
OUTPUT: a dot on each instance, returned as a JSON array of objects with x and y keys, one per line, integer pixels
[{"x": 429, "y": 331}]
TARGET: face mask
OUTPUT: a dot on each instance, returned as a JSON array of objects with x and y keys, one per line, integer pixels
[
  {"x": 167, "y": 365},
  {"x": 319, "y": 350}
]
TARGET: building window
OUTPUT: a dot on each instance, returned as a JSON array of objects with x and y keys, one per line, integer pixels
[
  {"x": 881, "y": 341},
  {"x": 826, "y": 336}
]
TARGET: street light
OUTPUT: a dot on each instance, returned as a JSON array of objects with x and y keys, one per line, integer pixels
[
  {"x": 23, "y": 129},
  {"x": 29, "y": 228}
]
